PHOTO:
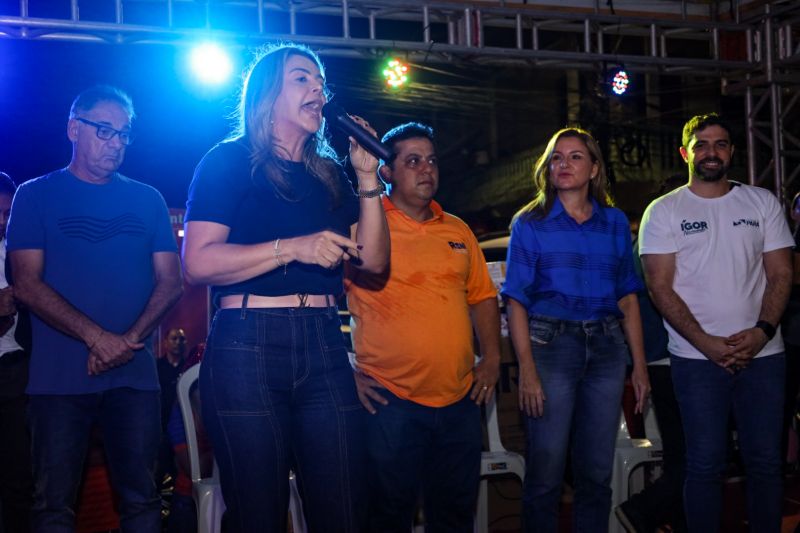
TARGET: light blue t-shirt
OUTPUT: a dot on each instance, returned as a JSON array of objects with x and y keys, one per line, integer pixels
[{"x": 98, "y": 243}]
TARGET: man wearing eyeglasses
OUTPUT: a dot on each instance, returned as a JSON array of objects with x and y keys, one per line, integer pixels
[{"x": 94, "y": 258}]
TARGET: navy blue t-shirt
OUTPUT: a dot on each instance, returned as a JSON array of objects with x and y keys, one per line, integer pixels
[
  {"x": 98, "y": 243},
  {"x": 225, "y": 191}
]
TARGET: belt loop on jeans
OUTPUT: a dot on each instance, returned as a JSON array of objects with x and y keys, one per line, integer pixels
[
  {"x": 330, "y": 302},
  {"x": 245, "y": 296}
]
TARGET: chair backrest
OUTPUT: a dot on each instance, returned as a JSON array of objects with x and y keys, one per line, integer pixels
[
  {"x": 492, "y": 427},
  {"x": 650, "y": 424},
  {"x": 187, "y": 379},
  {"x": 651, "y": 431}
]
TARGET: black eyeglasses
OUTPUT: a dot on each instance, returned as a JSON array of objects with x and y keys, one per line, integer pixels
[{"x": 106, "y": 133}]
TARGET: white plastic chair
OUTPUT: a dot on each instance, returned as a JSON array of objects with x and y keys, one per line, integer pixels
[
  {"x": 494, "y": 462},
  {"x": 628, "y": 456},
  {"x": 207, "y": 492}
]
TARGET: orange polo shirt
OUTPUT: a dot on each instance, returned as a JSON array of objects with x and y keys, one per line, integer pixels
[{"x": 413, "y": 332}]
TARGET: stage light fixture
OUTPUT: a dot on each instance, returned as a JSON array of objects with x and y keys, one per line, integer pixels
[
  {"x": 210, "y": 63},
  {"x": 395, "y": 74},
  {"x": 619, "y": 81}
]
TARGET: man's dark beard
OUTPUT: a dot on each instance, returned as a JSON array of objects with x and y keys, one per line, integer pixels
[{"x": 710, "y": 175}]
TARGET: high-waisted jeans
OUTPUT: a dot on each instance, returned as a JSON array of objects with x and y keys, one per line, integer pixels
[{"x": 278, "y": 393}]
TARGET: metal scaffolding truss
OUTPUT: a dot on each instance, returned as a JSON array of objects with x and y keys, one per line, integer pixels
[
  {"x": 475, "y": 31},
  {"x": 757, "y": 51},
  {"x": 772, "y": 91}
]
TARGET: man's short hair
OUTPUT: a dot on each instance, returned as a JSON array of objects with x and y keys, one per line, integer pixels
[
  {"x": 89, "y": 98},
  {"x": 701, "y": 122},
  {"x": 409, "y": 130},
  {"x": 7, "y": 185}
]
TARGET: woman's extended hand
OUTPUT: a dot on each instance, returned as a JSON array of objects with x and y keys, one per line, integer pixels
[
  {"x": 325, "y": 248},
  {"x": 360, "y": 158},
  {"x": 531, "y": 393}
]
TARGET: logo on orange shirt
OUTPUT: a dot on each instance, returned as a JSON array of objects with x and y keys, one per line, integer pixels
[{"x": 458, "y": 246}]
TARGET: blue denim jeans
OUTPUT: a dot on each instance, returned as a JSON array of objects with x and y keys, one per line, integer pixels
[
  {"x": 60, "y": 426},
  {"x": 277, "y": 392},
  {"x": 435, "y": 450},
  {"x": 706, "y": 394},
  {"x": 582, "y": 369}
]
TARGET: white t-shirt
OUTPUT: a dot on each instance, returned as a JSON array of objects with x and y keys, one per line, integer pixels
[
  {"x": 719, "y": 245},
  {"x": 8, "y": 343}
]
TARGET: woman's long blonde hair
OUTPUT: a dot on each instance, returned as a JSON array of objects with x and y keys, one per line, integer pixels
[
  {"x": 542, "y": 202},
  {"x": 262, "y": 84}
]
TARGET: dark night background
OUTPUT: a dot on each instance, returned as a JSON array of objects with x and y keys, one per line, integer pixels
[{"x": 484, "y": 115}]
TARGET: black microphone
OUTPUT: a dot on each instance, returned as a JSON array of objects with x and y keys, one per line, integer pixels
[{"x": 337, "y": 116}]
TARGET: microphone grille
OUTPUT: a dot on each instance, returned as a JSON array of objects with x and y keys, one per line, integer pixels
[{"x": 330, "y": 111}]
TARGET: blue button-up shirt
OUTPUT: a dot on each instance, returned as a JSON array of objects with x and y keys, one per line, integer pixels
[{"x": 562, "y": 269}]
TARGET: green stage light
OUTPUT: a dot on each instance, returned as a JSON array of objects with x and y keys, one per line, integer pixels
[{"x": 395, "y": 74}]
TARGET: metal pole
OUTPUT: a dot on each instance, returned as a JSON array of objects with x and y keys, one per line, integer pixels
[
  {"x": 260, "y": 7},
  {"x": 653, "y": 40},
  {"x": 777, "y": 141},
  {"x": 345, "y": 20},
  {"x": 587, "y": 36},
  {"x": 768, "y": 44},
  {"x": 426, "y": 23},
  {"x": 451, "y": 30},
  {"x": 468, "y": 27},
  {"x": 479, "y": 27},
  {"x": 751, "y": 138},
  {"x": 715, "y": 43},
  {"x": 600, "y": 47},
  {"x": 775, "y": 104}
]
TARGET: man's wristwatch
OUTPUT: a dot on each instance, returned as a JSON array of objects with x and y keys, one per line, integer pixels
[
  {"x": 768, "y": 329},
  {"x": 372, "y": 193}
]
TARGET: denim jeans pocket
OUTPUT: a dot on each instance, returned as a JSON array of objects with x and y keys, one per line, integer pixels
[
  {"x": 229, "y": 331},
  {"x": 542, "y": 331},
  {"x": 234, "y": 364},
  {"x": 329, "y": 329},
  {"x": 616, "y": 333}
]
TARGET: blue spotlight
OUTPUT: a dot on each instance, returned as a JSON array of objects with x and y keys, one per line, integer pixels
[{"x": 211, "y": 64}]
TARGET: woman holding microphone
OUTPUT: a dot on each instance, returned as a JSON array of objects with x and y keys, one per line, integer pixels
[{"x": 270, "y": 219}]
